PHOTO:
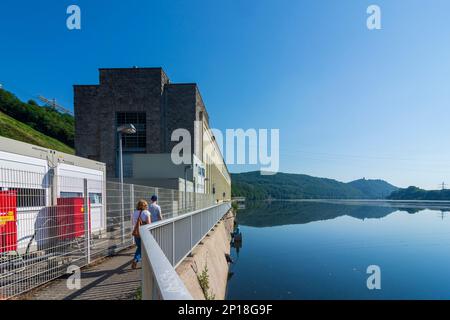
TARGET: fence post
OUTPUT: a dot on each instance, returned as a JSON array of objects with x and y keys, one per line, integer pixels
[{"x": 87, "y": 222}]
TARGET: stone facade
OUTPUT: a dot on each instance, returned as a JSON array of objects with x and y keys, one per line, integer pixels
[{"x": 167, "y": 107}]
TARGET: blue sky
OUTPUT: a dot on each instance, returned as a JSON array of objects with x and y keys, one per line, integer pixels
[{"x": 349, "y": 102}]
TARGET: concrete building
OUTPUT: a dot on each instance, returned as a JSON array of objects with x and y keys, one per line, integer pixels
[{"x": 146, "y": 98}]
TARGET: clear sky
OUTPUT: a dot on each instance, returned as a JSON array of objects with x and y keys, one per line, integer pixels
[{"x": 349, "y": 102}]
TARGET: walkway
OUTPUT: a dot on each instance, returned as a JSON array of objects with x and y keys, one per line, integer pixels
[{"x": 111, "y": 279}]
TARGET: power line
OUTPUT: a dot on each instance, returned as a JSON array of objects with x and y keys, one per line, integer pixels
[
  {"x": 55, "y": 106},
  {"x": 51, "y": 103}
]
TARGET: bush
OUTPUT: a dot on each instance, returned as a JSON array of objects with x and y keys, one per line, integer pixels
[{"x": 203, "y": 280}]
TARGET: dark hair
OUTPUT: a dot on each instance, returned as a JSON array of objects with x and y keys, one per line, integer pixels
[{"x": 154, "y": 198}]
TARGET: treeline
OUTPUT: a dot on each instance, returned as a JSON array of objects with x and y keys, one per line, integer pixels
[
  {"x": 254, "y": 186},
  {"x": 249, "y": 191},
  {"x": 414, "y": 193},
  {"x": 45, "y": 120}
]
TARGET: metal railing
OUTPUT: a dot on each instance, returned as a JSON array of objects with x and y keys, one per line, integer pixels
[
  {"x": 166, "y": 243},
  {"x": 49, "y": 223}
]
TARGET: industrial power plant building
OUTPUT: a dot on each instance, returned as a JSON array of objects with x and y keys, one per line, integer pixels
[{"x": 145, "y": 98}]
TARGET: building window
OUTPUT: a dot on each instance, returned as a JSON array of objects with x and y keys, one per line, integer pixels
[
  {"x": 133, "y": 142},
  {"x": 27, "y": 198},
  {"x": 63, "y": 194},
  {"x": 95, "y": 198}
]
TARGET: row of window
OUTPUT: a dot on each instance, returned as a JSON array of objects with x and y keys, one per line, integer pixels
[{"x": 94, "y": 198}]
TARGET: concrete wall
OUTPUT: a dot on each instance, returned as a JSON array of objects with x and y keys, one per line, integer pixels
[
  {"x": 211, "y": 253},
  {"x": 157, "y": 165},
  {"x": 120, "y": 90},
  {"x": 219, "y": 181}
]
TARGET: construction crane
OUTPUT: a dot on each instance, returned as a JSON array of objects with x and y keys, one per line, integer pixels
[{"x": 55, "y": 106}]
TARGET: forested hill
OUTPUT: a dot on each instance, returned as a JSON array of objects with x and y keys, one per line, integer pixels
[
  {"x": 253, "y": 185},
  {"x": 31, "y": 123},
  {"x": 414, "y": 193}
]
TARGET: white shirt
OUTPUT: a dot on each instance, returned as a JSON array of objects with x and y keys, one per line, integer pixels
[
  {"x": 145, "y": 216},
  {"x": 155, "y": 211}
]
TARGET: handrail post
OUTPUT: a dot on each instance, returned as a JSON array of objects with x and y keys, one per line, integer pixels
[
  {"x": 146, "y": 277},
  {"x": 191, "y": 231},
  {"x": 173, "y": 243}
]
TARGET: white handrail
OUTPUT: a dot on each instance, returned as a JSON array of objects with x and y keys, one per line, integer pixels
[
  {"x": 159, "y": 279},
  {"x": 176, "y": 238}
]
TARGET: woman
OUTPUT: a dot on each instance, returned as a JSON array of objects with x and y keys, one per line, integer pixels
[{"x": 142, "y": 216}]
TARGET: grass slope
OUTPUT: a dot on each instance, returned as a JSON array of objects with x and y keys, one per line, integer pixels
[
  {"x": 45, "y": 120},
  {"x": 13, "y": 129}
]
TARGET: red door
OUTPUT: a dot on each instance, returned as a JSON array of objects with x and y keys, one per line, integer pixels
[
  {"x": 70, "y": 218},
  {"x": 8, "y": 221}
]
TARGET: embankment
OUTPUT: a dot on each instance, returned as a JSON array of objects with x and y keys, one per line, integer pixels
[{"x": 208, "y": 262}]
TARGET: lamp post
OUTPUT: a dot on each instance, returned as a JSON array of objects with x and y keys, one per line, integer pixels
[
  {"x": 186, "y": 168},
  {"x": 123, "y": 129}
]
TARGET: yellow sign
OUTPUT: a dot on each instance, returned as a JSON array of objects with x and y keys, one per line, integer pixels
[{"x": 6, "y": 217}]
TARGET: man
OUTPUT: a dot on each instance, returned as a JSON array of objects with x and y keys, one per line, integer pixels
[{"x": 155, "y": 209}]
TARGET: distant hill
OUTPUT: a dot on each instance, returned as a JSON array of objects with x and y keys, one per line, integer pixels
[
  {"x": 255, "y": 186},
  {"x": 45, "y": 120},
  {"x": 28, "y": 122},
  {"x": 373, "y": 189},
  {"x": 414, "y": 193}
]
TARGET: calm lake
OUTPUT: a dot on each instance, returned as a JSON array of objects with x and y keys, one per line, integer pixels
[{"x": 321, "y": 250}]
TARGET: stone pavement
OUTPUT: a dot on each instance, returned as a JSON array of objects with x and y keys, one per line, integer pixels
[{"x": 110, "y": 279}]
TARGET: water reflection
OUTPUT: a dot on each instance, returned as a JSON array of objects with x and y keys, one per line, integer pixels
[
  {"x": 321, "y": 250},
  {"x": 236, "y": 239},
  {"x": 278, "y": 213}
]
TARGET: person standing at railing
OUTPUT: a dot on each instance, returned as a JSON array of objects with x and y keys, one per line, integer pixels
[
  {"x": 155, "y": 209},
  {"x": 141, "y": 216}
]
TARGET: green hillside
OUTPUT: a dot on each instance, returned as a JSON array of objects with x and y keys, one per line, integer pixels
[
  {"x": 13, "y": 129},
  {"x": 45, "y": 120},
  {"x": 253, "y": 185},
  {"x": 414, "y": 193}
]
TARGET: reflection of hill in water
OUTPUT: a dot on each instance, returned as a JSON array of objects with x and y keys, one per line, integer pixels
[{"x": 277, "y": 213}]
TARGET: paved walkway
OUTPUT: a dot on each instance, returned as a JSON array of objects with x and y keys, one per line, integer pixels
[{"x": 111, "y": 279}]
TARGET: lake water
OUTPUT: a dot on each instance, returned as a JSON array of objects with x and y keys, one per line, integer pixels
[{"x": 321, "y": 250}]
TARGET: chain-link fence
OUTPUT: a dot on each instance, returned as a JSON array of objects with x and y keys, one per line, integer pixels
[{"x": 50, "y": 222}]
